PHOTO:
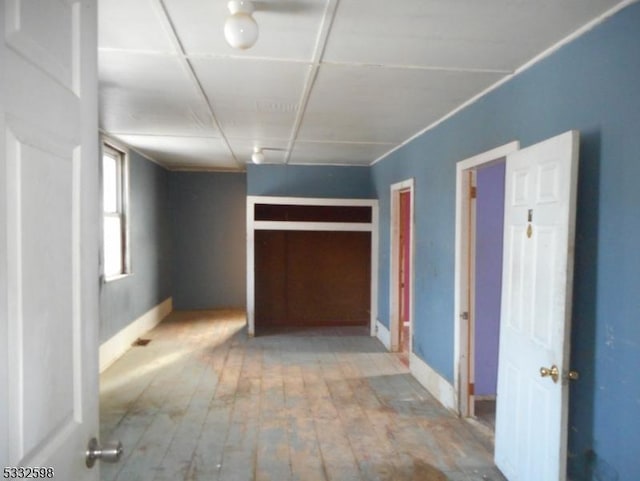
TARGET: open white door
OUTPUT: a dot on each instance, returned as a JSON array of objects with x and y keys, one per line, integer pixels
[
  {"x": 49, "y": 219},
  {"x": 531, "y": 421}
]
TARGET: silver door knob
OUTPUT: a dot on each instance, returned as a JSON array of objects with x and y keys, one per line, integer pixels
[{"x": 110, "y": 453}]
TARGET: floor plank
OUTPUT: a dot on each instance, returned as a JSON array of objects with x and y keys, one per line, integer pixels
[{"x": 203, "y": 401}]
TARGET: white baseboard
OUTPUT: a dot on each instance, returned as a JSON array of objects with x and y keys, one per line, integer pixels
[
  {"x": 485, "y": 398},
  {"x": 119, "y": 344},
  {"x": 433, "y": 382},
  {"x": 383, "y": 335}
]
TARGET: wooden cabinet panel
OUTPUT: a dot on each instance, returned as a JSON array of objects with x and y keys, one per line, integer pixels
[
  {"x": 309, "y": 278},
  {"x": 271, "y": 276}
]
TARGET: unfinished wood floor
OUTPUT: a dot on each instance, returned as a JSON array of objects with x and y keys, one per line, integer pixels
[{"x": 203, "y": 401}]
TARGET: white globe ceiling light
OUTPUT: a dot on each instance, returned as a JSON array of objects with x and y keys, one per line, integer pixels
[
  {"x": 258, "y": 155},
  {"x": 240, "y": 29}
]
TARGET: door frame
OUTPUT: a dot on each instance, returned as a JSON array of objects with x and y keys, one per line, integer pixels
[
  {"x": 463, "y": 289},
  {"x": 253, "y": 225},
  {"x": 394, "y": 261}
]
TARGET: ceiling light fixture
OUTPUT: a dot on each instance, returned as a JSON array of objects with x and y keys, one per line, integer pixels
[
  {"x": 240, "y": 29},
  {"x": 258, "y": 155}
]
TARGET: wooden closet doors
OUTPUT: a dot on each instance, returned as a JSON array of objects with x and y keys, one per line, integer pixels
[{"x": 312, "y": 278}]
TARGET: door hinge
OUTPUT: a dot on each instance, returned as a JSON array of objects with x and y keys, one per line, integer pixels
[
  {"x": 472, "y": 389},
  {"x": 473, "y": 192}
]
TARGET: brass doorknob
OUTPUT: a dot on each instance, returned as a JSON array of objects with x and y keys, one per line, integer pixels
[
  {"x": 573, "y": 375},
  {"x": 550, "y": 372}
]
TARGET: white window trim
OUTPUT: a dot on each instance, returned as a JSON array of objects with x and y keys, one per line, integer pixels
[{"x": 116, "y": 146}]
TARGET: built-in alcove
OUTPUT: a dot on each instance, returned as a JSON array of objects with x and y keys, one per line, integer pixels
[{"x": 311, "y": 263}]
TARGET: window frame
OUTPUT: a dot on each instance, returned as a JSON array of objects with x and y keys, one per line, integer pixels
[{"x": 121, "y": 155}]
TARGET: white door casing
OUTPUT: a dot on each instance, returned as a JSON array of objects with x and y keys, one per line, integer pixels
[
  {"x": 50, "y": 228},
  {"x": 254, "y": 225},
  {"x": 471, "y": 317},
  {"x": 540, "y": 201}
]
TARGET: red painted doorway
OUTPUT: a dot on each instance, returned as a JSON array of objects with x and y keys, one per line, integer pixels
[{"x": 404, "y": 279}]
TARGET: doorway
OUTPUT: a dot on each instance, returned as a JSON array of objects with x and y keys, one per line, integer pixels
[
  {"x": 479, "y": 216},
  {"x": 488, "y": 195},
  {"x": 402, "y": 247}
]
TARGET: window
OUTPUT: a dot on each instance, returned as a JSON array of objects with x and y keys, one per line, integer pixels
[{"x": 114, "y": 212}]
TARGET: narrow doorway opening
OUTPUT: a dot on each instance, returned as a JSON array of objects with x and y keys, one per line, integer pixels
[
  {"x": 479, "y": 238},
  {"x": 487, "y": 289},
  {"x": 402, "y": 268},
  {"x": 405, "y": 271}
]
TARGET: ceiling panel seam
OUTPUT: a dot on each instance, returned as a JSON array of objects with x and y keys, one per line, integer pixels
[
  {"x": 255, "y": 58},
  {"x": 177, "y": 136},
  {"x": 431, "y": 68},
  {"x": 184, "y": 60},
  {"x": 346, "y": 142},
  {"x": 318, "y": 53},
  {"x": 138, "y": 51}
]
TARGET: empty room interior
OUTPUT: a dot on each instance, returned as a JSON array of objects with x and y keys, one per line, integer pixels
[{"x": 320, "y": 240}]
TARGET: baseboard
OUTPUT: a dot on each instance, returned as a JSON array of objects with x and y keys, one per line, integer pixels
[
  {"x": 383, "y": 334},
  {"x": 115, "y": 347},
  {"x": 484, "y": 398},
  {"x": 433, "y": 382}
]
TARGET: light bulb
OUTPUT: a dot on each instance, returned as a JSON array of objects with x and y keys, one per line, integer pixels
[
  {"x": 240, "y": 29},
  {"x": 258, "y": 156}
]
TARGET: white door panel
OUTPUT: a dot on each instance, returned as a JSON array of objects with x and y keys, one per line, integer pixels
[
  {"x": 48, "y": 185},
  {"x": 531, "y": 423},
  {"x": 45, "y": 32}
]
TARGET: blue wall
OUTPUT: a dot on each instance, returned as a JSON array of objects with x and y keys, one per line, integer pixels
[
  {"x": 310, "y": 181},
  {"x": 209, "y": 237},
  {"x": 124, "y": 300},
  {"x": 592, "y": 85}
]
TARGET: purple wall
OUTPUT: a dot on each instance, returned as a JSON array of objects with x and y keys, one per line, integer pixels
[{"x": 489, "y": 225}]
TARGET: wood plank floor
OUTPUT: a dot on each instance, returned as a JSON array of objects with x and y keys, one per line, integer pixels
[{"x": 203, "y": 401}]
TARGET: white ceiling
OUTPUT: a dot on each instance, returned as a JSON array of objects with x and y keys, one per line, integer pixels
[{"x": 331, "y": 82}]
